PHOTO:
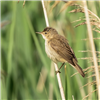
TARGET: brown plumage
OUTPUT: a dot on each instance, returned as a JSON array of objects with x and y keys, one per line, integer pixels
[{"x": 58, "y": 49}]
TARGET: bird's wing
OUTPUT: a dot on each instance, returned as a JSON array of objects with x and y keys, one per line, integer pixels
[{"x": 61, "y": 46}]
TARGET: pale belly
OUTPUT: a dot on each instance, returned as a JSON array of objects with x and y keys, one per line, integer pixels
[{"x": 52, "y": 54}]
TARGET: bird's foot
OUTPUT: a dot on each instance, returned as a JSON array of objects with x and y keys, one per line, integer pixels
[{"x": 57, "y": 72}]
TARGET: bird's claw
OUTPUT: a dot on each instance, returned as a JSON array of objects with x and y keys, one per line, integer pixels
[{"x": 57, "y": 72}]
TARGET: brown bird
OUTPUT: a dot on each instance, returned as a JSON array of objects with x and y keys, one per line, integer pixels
[{"x": 58, "y": 49}]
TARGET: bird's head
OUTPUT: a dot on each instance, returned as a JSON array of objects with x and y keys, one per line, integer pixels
[{"x": 48, "y": 33}]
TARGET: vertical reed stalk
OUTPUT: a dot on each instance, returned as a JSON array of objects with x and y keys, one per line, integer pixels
[
  {"x": 92, "y": 48},
  {"x": 56, "y": 67}
]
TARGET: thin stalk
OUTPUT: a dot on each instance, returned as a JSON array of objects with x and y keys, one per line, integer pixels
[
  {"x": 92, "y": 48},
  {"x": 45, "y": 14},
  {"x": 59, "y": 82},
  {"x": 56, "y": 67}
]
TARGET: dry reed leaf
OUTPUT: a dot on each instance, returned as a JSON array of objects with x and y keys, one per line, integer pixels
[
  {"x": 54, "y": 5},
  {"x": 91, "y": 76},
  {"x": 96, "y": 30},
  {"x": 89, "y": 51},
  {"x": 66, "y": 5},
  {"x": 89, "y": 94},
  {"x": 97, "y": 24},
  {"x": 88, "y": 39},
  {"x": 77, "y": 10},
  {"x": 83, "y": 23},
  {"x": 85, "y": 70},
  {"x": 90, "y": 83},
  {"x": 80, "y": 9},
  {"x": 92, "y": 61},
  {"x": 88, "y": 68},
  {"x": 94, "y": 19},
  {"x": 74, "y": 74},
  {"x": 42, "y": 80},
  {"x": 80, "y": 19},
  {"x": 91, "y": 70},
  {"x": 98, "y": 60},
  {"x": 85, "y": 58},
  {"x": 24, "y": 3},
  {"x": 77, "y": 20},
  {"x": 49, "y": 1},
  {"x": 96, "y": 38}
]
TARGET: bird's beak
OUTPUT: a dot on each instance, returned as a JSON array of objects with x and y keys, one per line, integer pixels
[{"x": 39, "y": 32}]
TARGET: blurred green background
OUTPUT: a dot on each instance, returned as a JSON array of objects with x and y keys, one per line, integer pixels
[{"x": 26, "y": 71}]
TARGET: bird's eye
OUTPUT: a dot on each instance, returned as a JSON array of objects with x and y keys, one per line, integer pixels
[{"x": 45, "y": 33}]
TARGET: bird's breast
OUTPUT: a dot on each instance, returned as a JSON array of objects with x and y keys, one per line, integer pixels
[{"x": 52, "y": 54}]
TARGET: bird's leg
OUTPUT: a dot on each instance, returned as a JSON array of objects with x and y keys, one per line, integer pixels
[{"x": 59, "y": 69}]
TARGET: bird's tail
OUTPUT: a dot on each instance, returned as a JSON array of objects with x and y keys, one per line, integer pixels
[{"x": 78, "y": 68}]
